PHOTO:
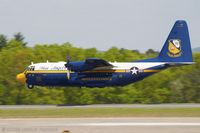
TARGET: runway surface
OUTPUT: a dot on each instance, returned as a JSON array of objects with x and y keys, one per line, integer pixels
[
  {"x": 101, "y": 125},
  {"x": 184, "y": 105}
]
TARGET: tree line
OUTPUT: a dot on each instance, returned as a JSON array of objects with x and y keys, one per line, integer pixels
[{"x": 175, "y": 85}]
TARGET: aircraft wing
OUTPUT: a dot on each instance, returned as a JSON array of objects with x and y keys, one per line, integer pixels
[
  {"x": 89, "y": 64},
  {"x": 97, "y": 64}
]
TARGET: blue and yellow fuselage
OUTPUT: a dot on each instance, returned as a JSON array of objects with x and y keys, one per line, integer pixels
[{"x": 91, "y": 78}]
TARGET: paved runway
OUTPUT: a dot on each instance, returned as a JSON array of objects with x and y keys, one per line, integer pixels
[
  {"x": 183, "y": 105},
  {"x": 101, "y": 125}
]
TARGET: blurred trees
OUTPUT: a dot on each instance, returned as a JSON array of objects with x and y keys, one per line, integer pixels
[
  {"x": 20, "y": 38},
  {"x": 3, "y": 41},
  {"x": 177, "y": 84}
]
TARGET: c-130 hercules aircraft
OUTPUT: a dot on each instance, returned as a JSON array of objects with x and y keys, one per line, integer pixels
[{"x": 94, "y": 72}]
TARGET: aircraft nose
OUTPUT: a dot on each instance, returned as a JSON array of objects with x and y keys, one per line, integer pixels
[{"x": 21, "y": 78}]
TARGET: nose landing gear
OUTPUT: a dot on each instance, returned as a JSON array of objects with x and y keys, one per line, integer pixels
[{"x": 30, "y": 86}]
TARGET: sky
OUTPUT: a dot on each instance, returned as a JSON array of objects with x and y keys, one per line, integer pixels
[{"x": 130, "y": 24}]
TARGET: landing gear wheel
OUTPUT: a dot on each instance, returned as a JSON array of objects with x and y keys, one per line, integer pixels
[{"x": 30, "y": 86}]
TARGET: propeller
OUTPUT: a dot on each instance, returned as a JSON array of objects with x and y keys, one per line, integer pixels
[{"x": 67, "y": 65}]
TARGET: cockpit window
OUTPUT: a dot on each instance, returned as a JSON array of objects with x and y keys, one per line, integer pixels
[{"x": 31, "y": 68}]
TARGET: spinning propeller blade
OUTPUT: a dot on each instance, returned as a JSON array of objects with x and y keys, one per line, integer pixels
[{"x": 67, "y": 65}]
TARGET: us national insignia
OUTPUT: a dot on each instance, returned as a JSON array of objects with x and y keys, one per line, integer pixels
[{"x": 174, "y": 48}]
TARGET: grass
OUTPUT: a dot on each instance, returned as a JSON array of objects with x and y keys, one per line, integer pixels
[{"x": 99, "y": 112}]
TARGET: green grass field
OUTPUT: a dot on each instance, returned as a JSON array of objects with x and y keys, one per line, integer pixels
[{"x": 99, "y": 112}]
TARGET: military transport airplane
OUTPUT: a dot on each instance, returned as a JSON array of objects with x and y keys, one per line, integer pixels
[{"x": 94, "y": 72}]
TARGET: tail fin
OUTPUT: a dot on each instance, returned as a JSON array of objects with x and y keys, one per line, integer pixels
[{"x": 177, "y": 48}]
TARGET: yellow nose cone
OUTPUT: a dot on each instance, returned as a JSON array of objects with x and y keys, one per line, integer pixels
[{"x": 21, "y": 78}]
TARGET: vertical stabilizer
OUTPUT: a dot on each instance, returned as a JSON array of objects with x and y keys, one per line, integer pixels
[{"x": 177, "y": 47}]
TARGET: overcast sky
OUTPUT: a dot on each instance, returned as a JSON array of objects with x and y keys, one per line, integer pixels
[{"x": 131, "y": 24}]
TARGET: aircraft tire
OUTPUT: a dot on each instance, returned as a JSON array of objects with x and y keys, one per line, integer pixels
[{"x": 30, "y": 86}]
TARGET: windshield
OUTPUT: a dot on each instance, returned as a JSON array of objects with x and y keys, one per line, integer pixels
[{"x": 30, "y": 68}]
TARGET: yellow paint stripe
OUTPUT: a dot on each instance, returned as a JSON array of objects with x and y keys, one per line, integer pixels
[
  {"x": 48, "y": 71},
  {"x": 64, "y": 71},
  {"x": 147, "y": 71},
  {"x": 92, "y": 71}
]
